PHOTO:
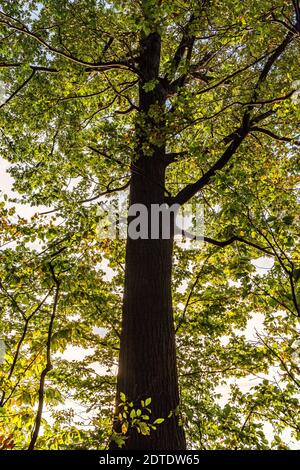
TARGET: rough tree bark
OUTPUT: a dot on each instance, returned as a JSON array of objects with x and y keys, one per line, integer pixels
[{"x": 147, "y": 363}]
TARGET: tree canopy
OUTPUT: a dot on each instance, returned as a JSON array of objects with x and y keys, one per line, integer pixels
[{"x": 70, "y": 120}]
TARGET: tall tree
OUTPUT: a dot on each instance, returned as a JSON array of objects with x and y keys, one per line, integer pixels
[{"x": 100, "y": 96}]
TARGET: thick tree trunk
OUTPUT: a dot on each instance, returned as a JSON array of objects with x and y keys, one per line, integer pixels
[{"x": 147, "y": 364}]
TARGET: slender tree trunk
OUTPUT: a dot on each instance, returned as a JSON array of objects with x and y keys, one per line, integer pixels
[{"x": 147, "y": 364}]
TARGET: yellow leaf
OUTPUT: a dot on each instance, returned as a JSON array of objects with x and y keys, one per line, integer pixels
[{"x": 124, "y": 428}]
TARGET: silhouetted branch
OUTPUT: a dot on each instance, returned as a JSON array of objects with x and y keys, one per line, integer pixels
[
  {"x": 275, "y": 136},
  {"x": 18, "y": 89},
  {"x": 48, "y": 366}
]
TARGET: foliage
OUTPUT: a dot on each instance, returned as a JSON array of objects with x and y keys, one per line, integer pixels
[{"x": 68, "y": 120}]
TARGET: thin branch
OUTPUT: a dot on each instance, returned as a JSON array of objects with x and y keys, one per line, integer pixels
[
  {"x": 289, "y": 373},
  {"x": 270, "y": 101},
  {"x": 275, "y": 136},
  {"x": 294, "y": 295},
  {"x": 21, "y": 340},
  {"x": 121, "y": 92},
  {"x": 187, "y": 303},
  {"x": 17, "y": 383},
  {"x": 186, "y": 43},
  {"x": 232, "y": 75},
  {"x": 13, "y": 300},
  {"x": 88, "y": 95},
  {"x": 18, "y": 89},
  {"x": 191, "y": 189},
  {"x": 231, "y": 240},
  {"x": 108, "y": 191},
  {"x": 48, "y": 366},
  {"x": 105, "y": 155},
  {"x": 94, "y": 66},
  {"x": 93, "y": 198},
  {"x": 271, "y": 61}
]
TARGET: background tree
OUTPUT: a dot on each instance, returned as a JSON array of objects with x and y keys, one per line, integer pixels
[{"x": 177, "y": 100}]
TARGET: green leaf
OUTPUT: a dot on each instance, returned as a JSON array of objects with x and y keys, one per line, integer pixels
[
  {"x": 122, "y": 396},
  {"x": 159, "y": 421}
]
